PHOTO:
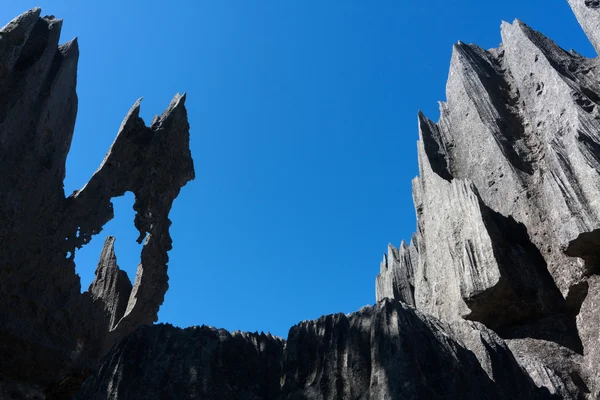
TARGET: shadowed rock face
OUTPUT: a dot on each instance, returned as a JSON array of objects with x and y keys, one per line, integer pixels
[
  {"x": 163, "y": 362},
  {"x": 387, "y": 351},
  {"x": 112, "y": 286},
  {"x": 49, "y": 331}
]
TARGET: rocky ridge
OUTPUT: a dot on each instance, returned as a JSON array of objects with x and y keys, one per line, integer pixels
[{"x": 495, "y": 296}]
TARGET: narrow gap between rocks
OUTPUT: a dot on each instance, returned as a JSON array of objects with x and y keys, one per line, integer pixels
[{"x": 127, "y": 250}]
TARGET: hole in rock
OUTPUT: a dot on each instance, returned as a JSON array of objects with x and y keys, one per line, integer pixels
[
  {"x": 127, "y": 249},
  {"x": 592, "y": 3}
]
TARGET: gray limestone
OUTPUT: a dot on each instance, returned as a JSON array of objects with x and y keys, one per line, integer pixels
[
  {"x": 588, "y": 15},
  {"x": 396, "y": 277},
  {"x": 507, "y": 203}
]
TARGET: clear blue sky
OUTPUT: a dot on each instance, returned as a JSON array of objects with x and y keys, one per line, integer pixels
[{"x": 303, "y": 130}]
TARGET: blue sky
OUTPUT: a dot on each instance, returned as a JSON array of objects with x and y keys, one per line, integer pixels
[{"x": 303, "y": 131}]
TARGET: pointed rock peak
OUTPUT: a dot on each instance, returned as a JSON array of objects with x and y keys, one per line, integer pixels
[
  {"x": 422, "y": 119},
  {"x": 518, "y": 31},
  {"x": 403, "y": 246},
  {"x": 588, "y": 15},
  {"x": 414, "y": 240},
  {"x": 108, "y": 259},
  {"x": 392, "y": 252},
  {"x": 70, "y": 48},
  {"x": 469, "y": 58},
  {"x": 424, "y": 125},
  {"x": 134, "y": 111},
  {"x": 463, "y": 47},
  {"x": 22, "y": 23},
  {"x": 384, "y": 262},
  {"x": 177, "y": 103}
]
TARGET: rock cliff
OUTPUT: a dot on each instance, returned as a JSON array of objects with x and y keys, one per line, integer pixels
[
  {"x": 495, "y": 296},
  {"x": 507, "y": 201}
]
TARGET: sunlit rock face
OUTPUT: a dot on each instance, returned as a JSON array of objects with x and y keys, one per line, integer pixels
[{"x": 508, "y": 203}]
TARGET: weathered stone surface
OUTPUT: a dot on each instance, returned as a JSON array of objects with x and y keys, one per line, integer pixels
[
  {"x": 163, "y": 362},
  {"x": 50, "y": 333},
  {"x": 521, "y": 124},
  {"x": 393, "y": 351},
  {"x": 111, "y": 286},
  {"x": 588, "y": 15},
  {"x": 507, "y": 202},
  {"x": 389, "y": 351},
  {"x": 552, "y": 365},
  {"x": 502, "y": 367},
  {"x": 588, "y": 325},
  {"x": 473, "y": 262},
  {"x": 396, "y": 277},
  {"x": 539, "y": 140}
]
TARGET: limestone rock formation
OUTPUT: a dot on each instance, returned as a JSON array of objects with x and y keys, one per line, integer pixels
[
  {"x": 507, "y": 202},
  {"x": 197, "y": 362},
  {"x": 386, "y": 351},
  {"x": 588, "y": 15},
  {"x": 51, "y": 335},
  {"x": 111, "y": 286},
  {"x": 495, "y": 297},
  {"x": 396, "y": 279}
]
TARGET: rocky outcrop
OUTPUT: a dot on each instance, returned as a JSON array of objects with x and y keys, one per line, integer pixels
[
  {"x": 508, "y": 213},
  {"x": 386, "y": 351},
  {"x": 396, "y": 278},
  {"x": 588, "y": 323},
  {"x": 111, "y": 286},
  {"x": 541, "y": 159},
  {"x": 192, "y": 363},
  {"x": 51, "y": 334}
]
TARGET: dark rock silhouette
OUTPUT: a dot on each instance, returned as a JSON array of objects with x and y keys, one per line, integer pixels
[
  {"x": 50, "y": 333},
  {"x": 495, "y": 297}
]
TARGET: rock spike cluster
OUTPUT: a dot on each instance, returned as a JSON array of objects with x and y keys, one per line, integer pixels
[{"x": 494, "y": 297}]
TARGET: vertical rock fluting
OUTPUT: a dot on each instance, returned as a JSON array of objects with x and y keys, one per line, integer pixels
[
  {"x": 396, "y": 279},
  {"x": 49, "y": 331},
  {"x": 507, "y": 200}
]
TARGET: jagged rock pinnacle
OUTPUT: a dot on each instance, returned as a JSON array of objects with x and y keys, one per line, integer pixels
[{"x": 50, "y": 331}]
